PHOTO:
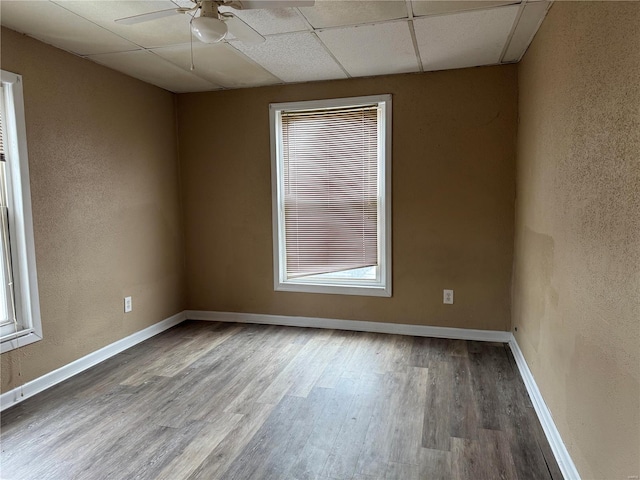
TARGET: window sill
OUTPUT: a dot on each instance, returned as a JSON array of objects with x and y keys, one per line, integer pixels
[
  {"x": 361, "y": 290},
  {"x": 20, "y": 341}
]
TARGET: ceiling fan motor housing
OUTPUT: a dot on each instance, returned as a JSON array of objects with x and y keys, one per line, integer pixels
[{"x": 208, "y": 9}]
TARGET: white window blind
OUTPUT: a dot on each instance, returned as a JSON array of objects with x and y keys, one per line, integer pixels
[
  {"x": 7, "y": 309},
  {"x": 1, "y": 129},
  {"x": 330, "y": 160}
]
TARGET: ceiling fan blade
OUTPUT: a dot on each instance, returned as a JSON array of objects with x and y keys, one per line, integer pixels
[
  {"x": 145, "y": 17},
  {"x": 251, "y": 4},
  {"x": 241, "y": 30}
]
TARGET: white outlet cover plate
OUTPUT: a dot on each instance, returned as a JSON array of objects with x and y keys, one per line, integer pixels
[
  {"x": 127, "y": 305},
  {"x": 448, "y": 297}
]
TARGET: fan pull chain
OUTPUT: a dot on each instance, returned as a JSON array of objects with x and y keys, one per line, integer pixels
[{"x": 193, "y": 67}]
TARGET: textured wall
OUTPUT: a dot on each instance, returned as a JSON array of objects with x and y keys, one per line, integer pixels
[
  {"x": 576, "y": 297},
  {"x": 103, "y": 166},
  {"x": 454, "y": 137}
]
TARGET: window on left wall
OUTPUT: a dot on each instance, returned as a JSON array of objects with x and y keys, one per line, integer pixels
[{"x": 19, "y": 303}]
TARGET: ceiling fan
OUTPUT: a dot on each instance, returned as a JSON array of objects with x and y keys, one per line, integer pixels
[{"x": 212, "y": 26}]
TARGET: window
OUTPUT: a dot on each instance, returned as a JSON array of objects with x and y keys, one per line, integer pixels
[
  {"x": 331, "y": 187},
  {"x": 19, "y": 304}
]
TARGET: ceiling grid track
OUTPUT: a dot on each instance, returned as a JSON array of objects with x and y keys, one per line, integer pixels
[
  {"x": 330, "y": 53},
  {"x": 513, "y": 31},
  {"x": 412, "y": 32}
]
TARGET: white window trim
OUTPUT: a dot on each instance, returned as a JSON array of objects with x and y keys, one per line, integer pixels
[
  {"x": 383, "y": 287},
  {"x": 21, "y": 222}
]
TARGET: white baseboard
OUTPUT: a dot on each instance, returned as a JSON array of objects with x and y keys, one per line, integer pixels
[
  {"x": 17, "y": 395},
  {"x": 355, "y": 325},
  {"x": 567, "y": 467}
]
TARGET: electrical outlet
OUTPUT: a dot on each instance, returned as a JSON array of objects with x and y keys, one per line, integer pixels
[
  {"x": 127, "y": 305},
  {"x": 448, "y": 297}
]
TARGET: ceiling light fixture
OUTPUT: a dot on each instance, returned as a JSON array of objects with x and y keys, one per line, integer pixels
[{"x": 209, "y": 29}]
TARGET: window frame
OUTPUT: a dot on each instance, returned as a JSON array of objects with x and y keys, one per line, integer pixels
[
  {"x": 25, "y": 277},
  {"x": 379, "y": 288}
]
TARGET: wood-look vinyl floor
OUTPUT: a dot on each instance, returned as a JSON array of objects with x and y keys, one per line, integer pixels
[{"x": 236, "y": 402}]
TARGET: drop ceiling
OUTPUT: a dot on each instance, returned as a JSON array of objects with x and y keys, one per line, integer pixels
[{"x": 331, "y": 40}]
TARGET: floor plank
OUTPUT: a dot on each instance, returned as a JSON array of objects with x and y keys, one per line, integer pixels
[
  {"x": 406, "y": 440},
  {"x": 343, "y": 459},
  {"x": 376, "y": 451},
  {"x": 436, "y": 426}
]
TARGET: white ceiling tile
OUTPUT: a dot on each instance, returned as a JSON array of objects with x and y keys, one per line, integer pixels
[
  {"x": 528, "y": 24},
  {"x": 270, "y": 21},
  {"x": 383, "y": 48},
  {"x": 336, "y": 13},
  {"x": 293, "y": 57},
  {"x": 219, "y": 63},
  {"x": 464, "y": 39},
  {"x": 55, "y": 25},
  {"x": 439, "y": 7},
  {"x": 155, "y": 33},
  {"x": 150, "y": 68}
]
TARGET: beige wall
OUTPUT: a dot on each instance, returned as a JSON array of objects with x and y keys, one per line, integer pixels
[
  {"x": 576, "y": 296},
  {"x": 453, "y": 169},
  {"x": 103, "y": 166}
]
